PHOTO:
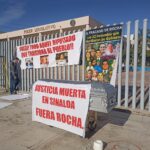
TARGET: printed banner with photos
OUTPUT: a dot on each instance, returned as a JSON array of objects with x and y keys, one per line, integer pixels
[
  {"x": 55, "y": 52},
  {"x": 62, "y": 105},
  {"x": 102, "y": 49}
]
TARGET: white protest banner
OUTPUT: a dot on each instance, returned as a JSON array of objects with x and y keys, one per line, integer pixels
[
  {"x": 55, "y": 52},
  {"x": 62, "y": 105}
]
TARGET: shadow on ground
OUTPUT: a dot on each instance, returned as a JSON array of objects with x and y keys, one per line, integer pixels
[{"x": 117, "y": 117}]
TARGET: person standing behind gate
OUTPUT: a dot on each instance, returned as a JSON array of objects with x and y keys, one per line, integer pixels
[{"x": 15, "y": 76}]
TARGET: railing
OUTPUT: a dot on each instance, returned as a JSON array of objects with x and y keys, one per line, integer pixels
[{"x": 133, "y": 86}]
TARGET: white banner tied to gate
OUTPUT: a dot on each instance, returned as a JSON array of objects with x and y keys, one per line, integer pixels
[
  {"x": 55, "y": 52},
  {"x": 61, "y": 105}
]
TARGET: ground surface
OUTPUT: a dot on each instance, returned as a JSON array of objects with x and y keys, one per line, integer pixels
[{"x": 119, "y": 131}]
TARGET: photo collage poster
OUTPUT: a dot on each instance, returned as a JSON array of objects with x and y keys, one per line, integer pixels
[{"x": 102, "y": 49}]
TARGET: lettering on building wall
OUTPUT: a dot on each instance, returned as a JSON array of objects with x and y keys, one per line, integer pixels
[{"x": 40, "y": 29}]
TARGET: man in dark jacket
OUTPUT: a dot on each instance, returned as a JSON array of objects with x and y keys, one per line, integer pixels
[{"x": 14, "y": 75}]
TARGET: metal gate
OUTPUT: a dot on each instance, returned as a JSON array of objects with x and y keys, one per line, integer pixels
[
  {"x": 133, "y": 86},
  {"x": 3, "y": 75}
]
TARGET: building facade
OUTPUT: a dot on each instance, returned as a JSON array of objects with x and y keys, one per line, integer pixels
[{"x": 9, "y": 41}]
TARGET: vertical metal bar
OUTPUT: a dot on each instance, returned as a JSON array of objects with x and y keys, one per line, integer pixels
[
  {"x": 143, "y": 62},
  {"x": 7, "y": 64},
  {"x": 31, "y": 79},
  {"x": 5, "y": 61},
  {"x": 48, "y": 73},
  {"x": 78, "y": 72},
  {"x": 2, "y": 53},
  {"x": 52, "y": 73},
  {"x": 78, "y": 67},
  {"x": 0, "y": 66},
  {"x": 20, "y": 42},
  {"x": 15, "y": 47},
  {"x": 56, "y": 72},
  {"x": 149, "y": 99},
  {"x": 3, "y": 42},
  {"x": 83, "y": 57},
  {"x": 120, "y": 71},
  {"x": 11, "y": 51},
  {"x": 22, "y": 71},
  {"x": 8, "y": 61},
  {"x": 44, "y": 72},
  {"x": 31, "y": 70},
  {"x": 4, "y": 49},
  {"x": 127, "y": 64},
  {"x": 27, "y": 71},
  {"x": 135, "y": 63}
]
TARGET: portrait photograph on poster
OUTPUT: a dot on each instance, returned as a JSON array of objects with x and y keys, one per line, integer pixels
[
  {"x": 62, "y": 58},
  {"x": 29, "y": 62},
  {"x": 44, "y": 61}
]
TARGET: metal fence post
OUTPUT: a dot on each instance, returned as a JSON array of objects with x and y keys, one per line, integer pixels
[
  {"x": 83, "y": 57},
  {"x": 143, "y": 63},
  {"x": 120, "y": 71},
  {"x": 135, "y": 63},
  {"x": 149, "y": 99},
  {"x": 127, "y": 64}
]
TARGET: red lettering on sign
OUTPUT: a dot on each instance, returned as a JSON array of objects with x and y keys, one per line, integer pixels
[
  {"x": 45, "y": 44},
  {"x": 37, "y": 52},
  {"x": 62, "y": 40},
  {"x": 62, "y": 48},
  {"x": 46, "y": 89},
  {"x": 24, "y": 54},
  {"x": 45, "y": 114},
  {"x": 72, "y": 93},
  {"x": 70, "y": 120},
  {"x": 24, "y": 48}
]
